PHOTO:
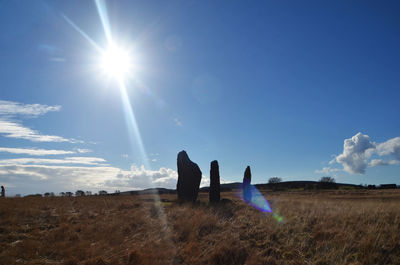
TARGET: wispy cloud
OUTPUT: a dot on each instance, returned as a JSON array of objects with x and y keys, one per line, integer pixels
[
  {"x": 83, "y": 151},
  {"x": 327, "y": 170},
  {"x": 14, "y": 108},
  {"x": 11, "y": 127},
  {"x": 177, "y": 122},
  {"x": 67, "y": 160},
  {"x": 35, "y": 152},
  {"x": 54, "y": 53},
  {"x": 48, "y": 48}
]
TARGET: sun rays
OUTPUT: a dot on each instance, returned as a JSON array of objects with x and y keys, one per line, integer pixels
[{"x": 116, "y": 62}]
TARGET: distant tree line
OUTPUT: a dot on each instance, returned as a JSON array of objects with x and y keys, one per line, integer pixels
[
  {"x": 325, "y": 182},
  {"x": 78, "y": 193}
]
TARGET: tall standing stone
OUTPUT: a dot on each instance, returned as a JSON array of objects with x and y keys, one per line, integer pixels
[
  {"x": 214, "y": 182},
  {"x": 189, "y": 178},
  {"x": 246, "y": 185}
]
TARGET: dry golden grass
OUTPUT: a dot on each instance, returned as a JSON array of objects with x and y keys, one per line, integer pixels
[{"x": 331, "y": 227}]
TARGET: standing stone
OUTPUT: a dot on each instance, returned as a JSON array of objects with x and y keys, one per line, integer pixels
[
  {"x": 214, "y": 182},
  {"x": 246, "y": 185},
  {"x": 189, "y": 178}
]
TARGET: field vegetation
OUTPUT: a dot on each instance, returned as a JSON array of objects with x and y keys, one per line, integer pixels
[{"x": 318, "y": 227}]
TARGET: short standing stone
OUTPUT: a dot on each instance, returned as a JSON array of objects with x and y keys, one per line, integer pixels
[
  {"x": 189, "y": 178},
  {"x": 214, "y": 182},
  {"x": 246, "y": 185}
]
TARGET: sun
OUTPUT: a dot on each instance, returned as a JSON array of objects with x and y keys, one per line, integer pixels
[{"x": 116, "y": 62}]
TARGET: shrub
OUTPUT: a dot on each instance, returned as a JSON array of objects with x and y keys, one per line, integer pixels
[
  {"x": 274, "y": 180},
  {"x": 327, "y": 179}
]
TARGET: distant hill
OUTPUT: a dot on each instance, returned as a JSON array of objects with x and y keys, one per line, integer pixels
[
  {"x": 284, "y": 185},
  {"x": 287, "y": 185},
  {"x": 147, "y": 191}
]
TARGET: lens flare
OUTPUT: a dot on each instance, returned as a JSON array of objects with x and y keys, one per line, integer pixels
[
  {"x": 278, "y": 218},
  {"x": 253, "y": 197}
]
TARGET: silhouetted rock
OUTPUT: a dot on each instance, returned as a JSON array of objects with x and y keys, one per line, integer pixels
[
  {"x": 189, "y": 178},
  {"x": 246, "y": 185},
  {"x": 214, "y": 182}
]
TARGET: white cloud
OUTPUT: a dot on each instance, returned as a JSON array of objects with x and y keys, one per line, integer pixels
[
  {"x": 333, "y": 160},
  {"x": 390, "y": 147},
  {"x": 67, "y": 160},
  {"x": 359, "y": 149},
  {"x": 205, "y": 181},
  {"x": 356, "y": 151},
  {"x": 377, "y": 162},
  {"x": 141, "y": 178},
  {"x": 381, "y": 162},
  {"x": 35, "y": 152},
  {"x": 10, "y": 108}
]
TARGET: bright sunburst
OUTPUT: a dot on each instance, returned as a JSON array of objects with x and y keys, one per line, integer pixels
[{"x": 116, "y": 62}]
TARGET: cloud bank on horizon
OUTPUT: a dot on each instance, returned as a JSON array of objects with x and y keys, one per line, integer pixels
[
  {"x": 97, "y": 177},
  {"x": 70, "y": 172},
  {"x": 359, "y": 152}
]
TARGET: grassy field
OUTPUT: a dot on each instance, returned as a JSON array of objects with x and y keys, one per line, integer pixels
[{"x": 319, "y": 227}]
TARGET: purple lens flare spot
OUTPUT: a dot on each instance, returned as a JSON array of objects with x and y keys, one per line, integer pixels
[{"x": 252, "y": 196}]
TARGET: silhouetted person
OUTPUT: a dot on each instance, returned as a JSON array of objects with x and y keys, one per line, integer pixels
[{"x": 3, "y": 191}]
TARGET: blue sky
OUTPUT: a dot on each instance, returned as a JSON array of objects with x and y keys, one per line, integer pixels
[{"x": 277, "y": 85}]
